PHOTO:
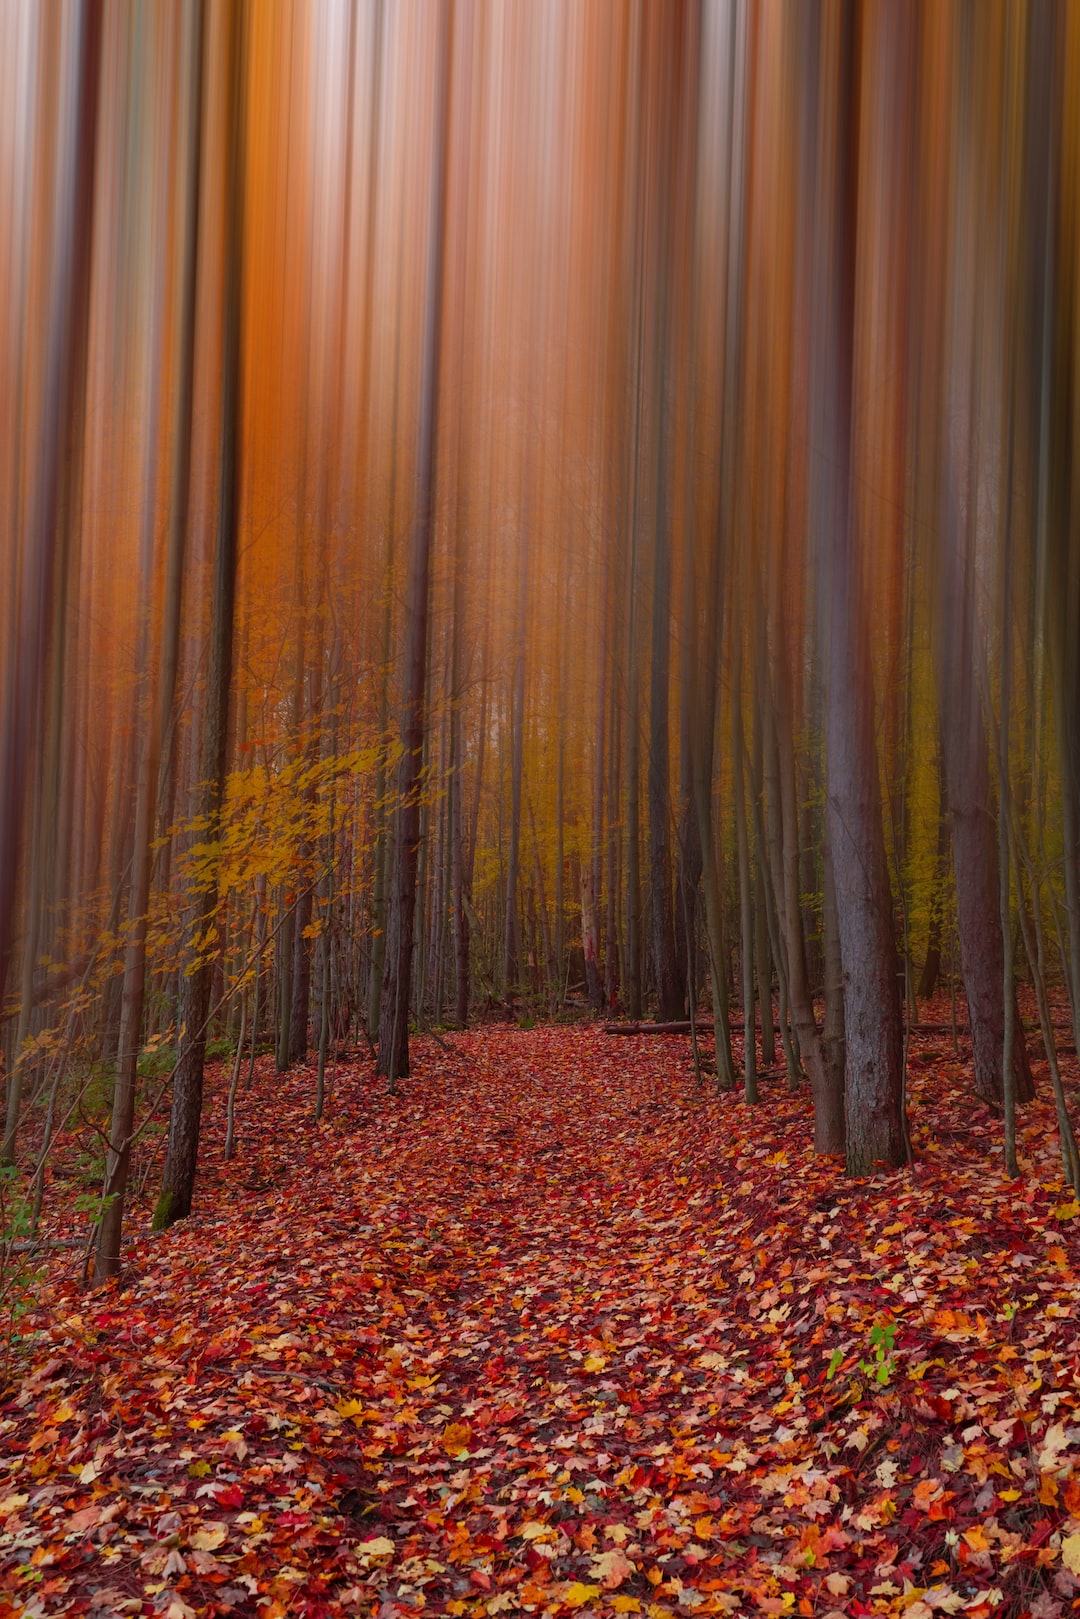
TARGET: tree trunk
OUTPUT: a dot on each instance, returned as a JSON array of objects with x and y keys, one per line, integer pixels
[
  {"x": 931, "y": 970},
  {"x": 393, "y": 1053},
  {"x": 148, "y": 708},
  {"x": 511, "y": 915},
  {"x": 875, "y": 1131},
  {"x": 178, "y": 1178},
  {"x": 58, "y": 451},
  {"x": 746, "y": 911}
]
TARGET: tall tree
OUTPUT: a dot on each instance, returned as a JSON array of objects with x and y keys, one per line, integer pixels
[
  {"x": 54, "y": 472},
  {"x": 962, "y": 649},
  {"x": 155, "y": 707},
  {"x": 181, "y": 1158},
  {"x": 873, "y": 1099},
  {"x": 393, "y": 1053}
]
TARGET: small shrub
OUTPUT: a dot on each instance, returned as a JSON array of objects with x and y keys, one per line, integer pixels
[{"x": 156, "y": 1061}]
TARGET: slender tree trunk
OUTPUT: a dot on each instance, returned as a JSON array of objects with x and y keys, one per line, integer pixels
[
  {"x": 381, "y": 852},
  {"x": 829, "y": 1127},
  {"x": 762, "y": 930},
  {"x": 512, "y": 927},
  {"x": 612, "y": 956},
  {"x": 665, "y": 76},
  {"x": 592, "y": 871},
  {"x": 799, "y": 992},
  {"x": 931, "y": 970},
  {"x": 52, "y": 502},
  {"x": 746, "y": 904},
  {"x": 393, "y": 1053},
  {"x": 147, "y": 712},
  {"x": 763, "y": 966},
  {"x": 178, "y": 1178}
]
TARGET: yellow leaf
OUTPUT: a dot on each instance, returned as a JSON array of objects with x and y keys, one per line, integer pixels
[
  {"x": 350, "y": 1408},
  {"x": 576, "y": 1595},
  {"x": 208, "y": 1539},
  {"x": 456, "y": 1436},
  {"x": 381, "y": 1546},
  {"x": 703, "y": 1528},
  {"x": 1067, "y": 1211},
  {"x": 595, "y": 1363},
  {"x": 1070, "y": 1553},
  {"x": 625, "y": 1605}
]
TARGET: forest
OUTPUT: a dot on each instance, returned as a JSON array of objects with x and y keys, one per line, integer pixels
[{"x": 540, "y": 807}]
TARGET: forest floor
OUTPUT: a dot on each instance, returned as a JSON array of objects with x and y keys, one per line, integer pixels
[{"x": 550, "y": 1333}]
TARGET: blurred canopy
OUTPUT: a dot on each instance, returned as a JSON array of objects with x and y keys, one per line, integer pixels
[{"x": 634, "y": 441}]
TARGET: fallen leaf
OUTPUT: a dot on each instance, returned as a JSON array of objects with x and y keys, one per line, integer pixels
[{"x": 209, "y": 1538}]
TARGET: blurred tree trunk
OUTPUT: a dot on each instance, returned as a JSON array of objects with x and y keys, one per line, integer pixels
[
  {"x": 746, "y": 904},
  {"x": 965, "y": 748},
  {"x": 592, "y": 869},
  {"x": 393, "y": 1053},
  {"x": 659, "y": 181},
  {"x": 511, "y": 913},
  {"x": 55, "y": 480},
  {"x": 873, "y": 1099},
  {"x": 154, "y": 708},
  {"x": 931, "y": 969},
  {"x": 181, "y": 1158}
]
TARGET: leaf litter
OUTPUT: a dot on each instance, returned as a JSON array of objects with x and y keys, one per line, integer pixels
[{"x": 556, "y": 1331}]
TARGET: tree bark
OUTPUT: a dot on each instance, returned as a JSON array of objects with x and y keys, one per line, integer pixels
[
  {"x": 393, "y": 1052},
  {"x": 181, "y": 1159},
  {"x": 873, "y": 1114},
  {"x": 55, "y": 474}
]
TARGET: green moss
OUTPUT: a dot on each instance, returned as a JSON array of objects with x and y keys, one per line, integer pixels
[{"x": 162, "y": 1211}]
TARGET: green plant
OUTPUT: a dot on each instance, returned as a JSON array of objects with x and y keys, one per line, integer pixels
[
  {"x": 880, "y": 1367},
  {"x": 156, "y": 1061},
  {"x": 97, "y": 1089},
  {"x": 222, "y": 1045},
  {"x": 20, "y": 1275}
]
